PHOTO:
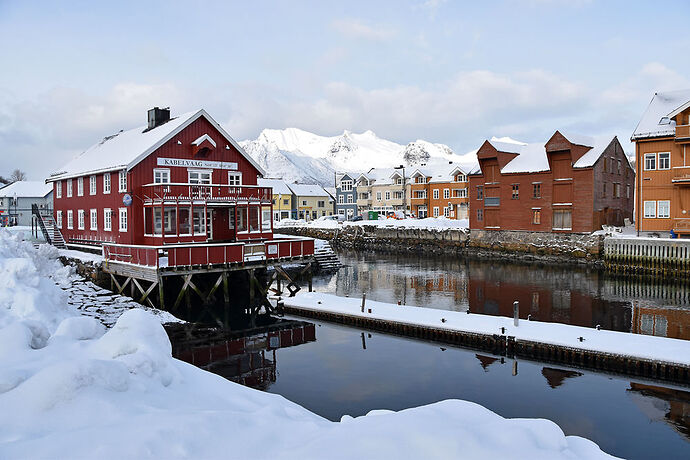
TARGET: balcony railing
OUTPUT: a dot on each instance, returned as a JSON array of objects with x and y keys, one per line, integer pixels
[
  {"x": 682, "y": 226},
  {"x": 208, "y": 193},
  {"x": 682, "y": 131},
  {"x": 681, "y": 174}
]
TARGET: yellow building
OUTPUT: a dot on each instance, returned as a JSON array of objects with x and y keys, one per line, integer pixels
[{"x": 283, "y": 199}]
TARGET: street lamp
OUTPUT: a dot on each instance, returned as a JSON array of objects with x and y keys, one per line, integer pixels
[{"x": 404, "y": 188}]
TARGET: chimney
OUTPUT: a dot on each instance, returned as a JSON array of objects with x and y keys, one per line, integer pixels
[{"x": 158, "y": 116}]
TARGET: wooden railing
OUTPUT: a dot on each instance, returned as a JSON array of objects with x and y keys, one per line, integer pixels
[
  {"x": 682, "y": 130},
  {"x": 682, "y": 226},
  {"x": 681, "y": 174},
  {"x": 182, "y": 255},
  {"x": 207, "y": 192}
]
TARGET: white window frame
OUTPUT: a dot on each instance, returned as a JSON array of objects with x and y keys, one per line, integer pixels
[
  {"x": 446, "y": 193},
  {"x": 341, "y": 199},
  {"x": 161, "y": 176},
  {"x": 649, "y": 215},
  {"x": 350, "y": 199},
  {"x": 80, "y": 186},
  {"x": 106, "y": 183},
  {"x": 69, "y": 188},
  {"x": 388, "y": 195},
  {"x": 122, "y": 219},
  {"x": 58, "y": 219},
  {"x": 667, "y": 205},
  {"x": 378, "y": 196},
  {"x": 435, "y": 195},
  {"x": 346, "y": 185},
  {"x": 107, "y": 220},
  {"x": 122, "y": 181},
  {"x": 93, "y": 219},
  {"x": 667, "y": 156},
  {"x": 435, "y": 214},
  {"x": 80, "y": 219},
  {"x": 58, "y": 189},
  {"x": 70, "y": 219},
  {"x": 234, "y": 178},
  {"x": 200, "y": 172},
  {"x": 652, "y": 157},
  {"x": 92, "y": 185}
]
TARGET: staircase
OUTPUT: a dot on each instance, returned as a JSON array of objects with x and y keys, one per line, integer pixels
[
  {"x": 326, "y": 258},
  {"x": 51, "y": 233}
]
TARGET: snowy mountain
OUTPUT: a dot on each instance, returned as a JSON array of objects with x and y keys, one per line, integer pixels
[{"x": 297, "y": 155}]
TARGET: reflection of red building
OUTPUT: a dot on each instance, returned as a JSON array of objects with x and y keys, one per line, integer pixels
[
  {"x": 661, "y": 321},
  {"x": 671, "y": 406},
  {"x": 243, "y": 359}
]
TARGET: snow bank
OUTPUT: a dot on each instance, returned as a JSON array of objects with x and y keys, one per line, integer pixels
[
  {"x": 71, "y": 389},
  {"x": 429, "y": 223},
  {"x": 622, "y": 343}
]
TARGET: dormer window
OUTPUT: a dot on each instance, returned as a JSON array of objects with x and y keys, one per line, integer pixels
[{"x": 203, "y": 146}]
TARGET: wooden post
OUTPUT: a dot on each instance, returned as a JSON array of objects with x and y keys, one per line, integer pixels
[
  {"x": 161, "y": 300},
  {"x": 516, "y": 313},
  {"x": 251, "y": 286},
  {"x": 226, "y": 291},
  {"x": 364, "y": 299},
  {"x": 364, "y": 342}
]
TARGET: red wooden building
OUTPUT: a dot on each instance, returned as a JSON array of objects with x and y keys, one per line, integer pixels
[
  {"x": 182, "y": 184},
  {"x": 570, "y": 184}
]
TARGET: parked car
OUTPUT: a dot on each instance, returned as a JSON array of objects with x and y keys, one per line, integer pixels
[{"x": 356, "y": 218}]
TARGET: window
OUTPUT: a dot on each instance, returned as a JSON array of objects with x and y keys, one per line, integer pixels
[
  {"x": 603, "y": 189},
  {"x": 460, "y": 193},
  {"x": 350, "y": 213},
  {"x": 649, "y": 161},
  {"x": 562, "y": 219},
  {"x": 664, "y": 161},
  {"x": 58, "y": 189},
  {"x": 161, "y": 176},
  {"x": 242, "y": 219},
  {"x": 341, "y": 199},
  {"x": 346, "y": 185},
  {"x": 80, "y": 219},
  {"x": 388, "y": 196},
  {"x": 627, "y": 191},
  {"x": 480, "y": 192},
  {"x": 106, "y": 183},
  {"x": 69, "y": 188},
  {"x": 619, "y": 167},
  {"x": 107, "y": 220},
  {"x": 58, "y": 219},
  {"x": 94, "y": 219},
  {"x": 461, "y": 178},
  {"x": 398, "y": 195},
  {"x": 650, "y": 209},
  {"x": 446, "y": 211},
  {"x": 435, "y": 194},
  {"x": 123, "y": 182},
  {"x": 663, "y": 209},
  {"x": 304, "y": 202},
  {"x": 231, "y": 218},
  {"x": 254, "y": 218},
  {"x": 480, "y": 215},
  {"x": 235, "y": 178},
  {"x": 184, "y": 220},
  {"x": 199, "y": 220},
  {"x": 321, "y": 204},
  {"x": 70, "y": 219},
  {"x": 435, "y": 211},
  {"x": 80, "y": 186},
  {"x": 266, "y": 219},
  {"x": 398, "y": 181},
  {"x": 516, "y": 192},
  {"x": 536, "y": 216},
  {"x": 492, "y": 201},
  {"x": 122, "y": 221},
  {"x": 446, "y": 193},
  {"x": 536, "y": 190},
  {"x": 378, "y": 196},
  {"x": 199, "y": 176},
  {"x": 616, "y": 190},
  {"x": 92, "y": 185},
  {"x": 286, "y": 201},
  {"x": 350, "y": 199},
  {"x": 420, "y": 180}
]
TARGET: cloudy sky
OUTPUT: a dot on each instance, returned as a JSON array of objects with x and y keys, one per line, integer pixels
[{"x": 445, "y": 71}]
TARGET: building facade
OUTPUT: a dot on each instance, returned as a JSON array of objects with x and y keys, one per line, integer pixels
[
  {"x": 283, "y": 198},
  {"x": 662, "y": 162},
  {"x": 312, "y": 201},
  {"x": 383, "y": 190},
  {"x": 346, "y": 195},
  {"x": 440, "y": 190},
  {"x": 176, "y": 180},
  {"x": 17, "y": 199},
  {"x": 571, "y": 184}
]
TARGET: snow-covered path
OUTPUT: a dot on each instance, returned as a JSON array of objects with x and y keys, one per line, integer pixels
[{"x": 72, "y": 388}]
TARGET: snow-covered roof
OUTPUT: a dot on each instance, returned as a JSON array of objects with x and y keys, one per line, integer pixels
[
  {"x": 600, "y": 144},
  {"x": 384, "y": 176},
  {"x": 26, "y": 188},
  {"x": 656, "y": 120},
  {"x": 278, "y": 185},
  {"x": 508, "y": 147},
  {"x": 127, "y": 148},
  {"x": 307, "y": 190},
  {"x": 578, "y": 139},
  {"x": 531, "y": 158}
]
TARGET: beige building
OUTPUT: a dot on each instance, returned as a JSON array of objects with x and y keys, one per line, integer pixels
[
  {"x": 383, "y": 190},
  {"x": 311, "y": 201}
]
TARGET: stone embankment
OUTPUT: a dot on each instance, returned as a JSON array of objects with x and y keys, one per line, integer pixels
[{"x": 515, "y": 245}]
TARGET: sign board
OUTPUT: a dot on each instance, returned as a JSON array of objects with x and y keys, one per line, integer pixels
[
  {"x": 272, "y": 249},
  {"x": 186, "y": 163},
  {"x": 127, "y": 199}
]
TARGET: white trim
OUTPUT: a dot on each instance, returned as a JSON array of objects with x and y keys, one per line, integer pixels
[
  {"x": 644, "y": 210},
  {"x": 58, "y": 189},
  {"x": 93, "y": 223},
  {"x": 644, "y": 162},
  {"x": 80, "y": 186},
  {"x": 668, "y": 209},
  {"x": 679, "y": 110},
  {"x": 202, "y": 138},
  {"x": 106, "y": 191},
  {"x": 107, "y": 220},
  {"x": 120, "y": 220},
  {"x": 93, "y": 185},
  {"x": 658, "y": 161},
  {"x": 70, "y": 219},
  {"x": 81, "y": 220},
  {"x": 58, "y": 219},
  {"x": 161, "y": 170}
]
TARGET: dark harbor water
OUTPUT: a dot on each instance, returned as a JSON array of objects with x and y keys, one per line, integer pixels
[{"x": 352, "y": 371}]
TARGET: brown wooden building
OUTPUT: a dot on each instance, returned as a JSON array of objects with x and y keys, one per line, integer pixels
[
  {"x": 571, "y": 184},
  {"x": 663, "y": 165},
  {"x": 440, "y": 189}
]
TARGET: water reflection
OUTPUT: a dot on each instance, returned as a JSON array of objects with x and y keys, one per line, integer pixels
[
  {"x": 573, "y": 295},
  {"x": 664, "y": 404}
]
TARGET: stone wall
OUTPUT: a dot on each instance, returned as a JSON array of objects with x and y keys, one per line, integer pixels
[{"x": 546, "y": 247}]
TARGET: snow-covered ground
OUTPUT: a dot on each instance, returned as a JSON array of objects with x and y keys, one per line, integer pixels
[
  {"x": 72, "y": 388},
  {"x": 432, "y": 223},
  {"x": 621, "y": 343}
]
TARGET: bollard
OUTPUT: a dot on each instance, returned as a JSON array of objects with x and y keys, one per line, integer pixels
[
  {"x": 515, "y": 370},
  {"x": 364, "y": 299},
  {"x": 364, "y": 342},
  {"x": 516, "y": 313}
]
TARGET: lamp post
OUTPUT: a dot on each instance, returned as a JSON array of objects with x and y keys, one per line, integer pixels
[{"x": 404, "y": 189}]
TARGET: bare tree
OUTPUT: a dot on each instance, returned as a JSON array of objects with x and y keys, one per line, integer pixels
[
  {"x": 4, "y": 181},
  {"x": 17, "y": 175}
]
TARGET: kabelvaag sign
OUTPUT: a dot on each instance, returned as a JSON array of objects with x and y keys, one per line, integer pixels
[{"x": 183, "y": 163}]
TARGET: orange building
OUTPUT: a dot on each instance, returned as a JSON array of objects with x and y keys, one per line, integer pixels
[
  {"x": 440, "y": 189},
  {"x": 569, "y": 184},
  {"x": 663, "y": 165}
]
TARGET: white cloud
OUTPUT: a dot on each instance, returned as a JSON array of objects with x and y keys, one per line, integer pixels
[{"x": 356, "y": 28}]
